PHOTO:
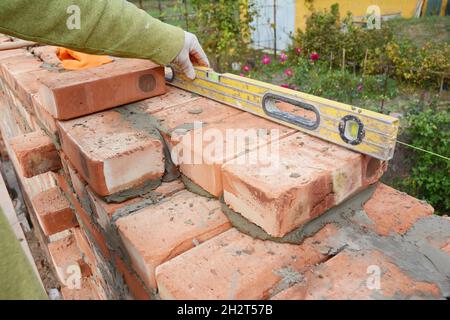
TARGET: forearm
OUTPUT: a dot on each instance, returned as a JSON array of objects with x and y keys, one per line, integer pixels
[{"x": 113, "y": 27}]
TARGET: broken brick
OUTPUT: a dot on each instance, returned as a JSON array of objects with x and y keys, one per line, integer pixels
[{"x": 360, "y": 275}]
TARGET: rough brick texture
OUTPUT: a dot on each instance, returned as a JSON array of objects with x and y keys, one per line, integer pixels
[
  {"x": 158, "y": 233},
  {"x": 111, "y": 152},
  {"x": 35, "y": 153},
  {"x": 53, "y": 211},
  {"x": 221, "y": 142},
  {"x": 76, "y": 93},
  {"x": 309, "y": 177}
]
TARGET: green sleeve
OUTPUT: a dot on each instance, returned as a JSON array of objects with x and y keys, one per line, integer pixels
[
  {"x": 18, "y": 281},
  {"x": 112, "y": 27}
]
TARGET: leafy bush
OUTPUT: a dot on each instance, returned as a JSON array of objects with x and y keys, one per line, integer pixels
[
  {"x": 328, "y": 35},
  {"x": 224, "y": 29},
  {"x": 430, "y": 175},
  {"x": 419, "y": 65}
]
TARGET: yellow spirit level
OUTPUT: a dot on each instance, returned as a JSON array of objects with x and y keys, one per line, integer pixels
[{"x": 357, "y": 129}]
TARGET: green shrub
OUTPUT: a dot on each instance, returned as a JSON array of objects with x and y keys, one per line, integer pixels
[
  {"x": 430, "y": 175},
  {"x": 328, "y": 35},
  {"x": 421, "y": 66},
  {"x": 224, "y": 29}
]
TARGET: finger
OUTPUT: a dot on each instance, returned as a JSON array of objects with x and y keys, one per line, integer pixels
[
  {"x": 188, "y": 69},
  {"x": 197, "y": 59},
  {"x": 197, "y": 48}
]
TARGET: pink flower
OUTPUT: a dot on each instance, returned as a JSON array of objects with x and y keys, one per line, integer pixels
[
  {"x": 314, "y": 56},
  {"x": 284, "y": 85},
  {"x": 288, "y": 72},
  {"x": 360, "y": 87},
  {"x": 298, "y": 51},
  {"x": 283, "y": 57},
  {"x": 266, "y": 59},
  {"x": 242, "y": 75},
  {"x": 246, "y": 68}
]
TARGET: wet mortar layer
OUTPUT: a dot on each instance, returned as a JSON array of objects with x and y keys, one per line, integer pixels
[
  {"x": 134, "y": 115},
  {"x": 410, "y": 252}
]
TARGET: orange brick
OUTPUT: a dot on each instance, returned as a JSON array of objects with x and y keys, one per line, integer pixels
[
  {"x": 135, "y": 286},
  {"x": 158, "y": 233},
  {"x": 353, "y": 275},
  {"x": 97, "y": 278},
  {"x": 73, "y": 94},
  {"x": 181, "y": 117},
  {"x": 5, "y": 54},
  {"x": 67, "y": 260},
  {"x": 35, "y": 153},
  {"x": 83, "y": 246},
  {"x": 222, "y": 142},
  {"x": 111, "y": 152},
  {"x": 173, "y": 97},
  {"x": 53, "y": 211},
  {"x": 392, "y": 211},
  {"x": 309, "y": 177},
  {"x": 15, "y": 65},
  {"x": 105, "y": 211},
  {"x": 87, "y": 223},
  {"x": 235, "y": 266}
]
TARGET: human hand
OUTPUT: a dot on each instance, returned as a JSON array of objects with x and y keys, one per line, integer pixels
[{"x": 191, "y": 54}]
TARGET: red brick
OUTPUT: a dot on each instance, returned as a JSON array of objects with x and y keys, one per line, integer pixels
[
  {"x": 98, "y": 282},
  {"x": 86, "y": 220},
  {"x": 15, "y": 65},
  {"x": 105, "y": 211},
  {"x": 222, "y": 142},
  {"x": 158, "y": 233},
  {"x": 135, "y": 286},
  {"x": 392, "y": 211},
  {"x": 309, "y": 177},
  {"x": 4, "y": 54},
  {"x": 182, "y": 116},
  {"x": 66, "y": 255},
  {"x": 53, "y": 211},
  {"x": 111, "y": 152},
  {"x": 351, "y": 275},
  {"x": 173, "y": 97},
  {"x": 83, "y": 246},
  {"x": 73, "y": 94},
  {"x": 35, "y": 153},
  {"x": 236, "y": 266}
]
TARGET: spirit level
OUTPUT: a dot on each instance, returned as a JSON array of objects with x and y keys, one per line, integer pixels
[{"x": 357, "y": 129}]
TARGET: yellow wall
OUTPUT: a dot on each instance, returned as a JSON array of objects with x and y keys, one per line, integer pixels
[{"x": 356, "y": 7}]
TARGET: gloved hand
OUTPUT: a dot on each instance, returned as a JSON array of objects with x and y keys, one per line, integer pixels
[{"x": 191, "y": 54}]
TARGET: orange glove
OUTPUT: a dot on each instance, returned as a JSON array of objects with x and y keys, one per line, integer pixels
[{"x": 73, "y": 60}]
